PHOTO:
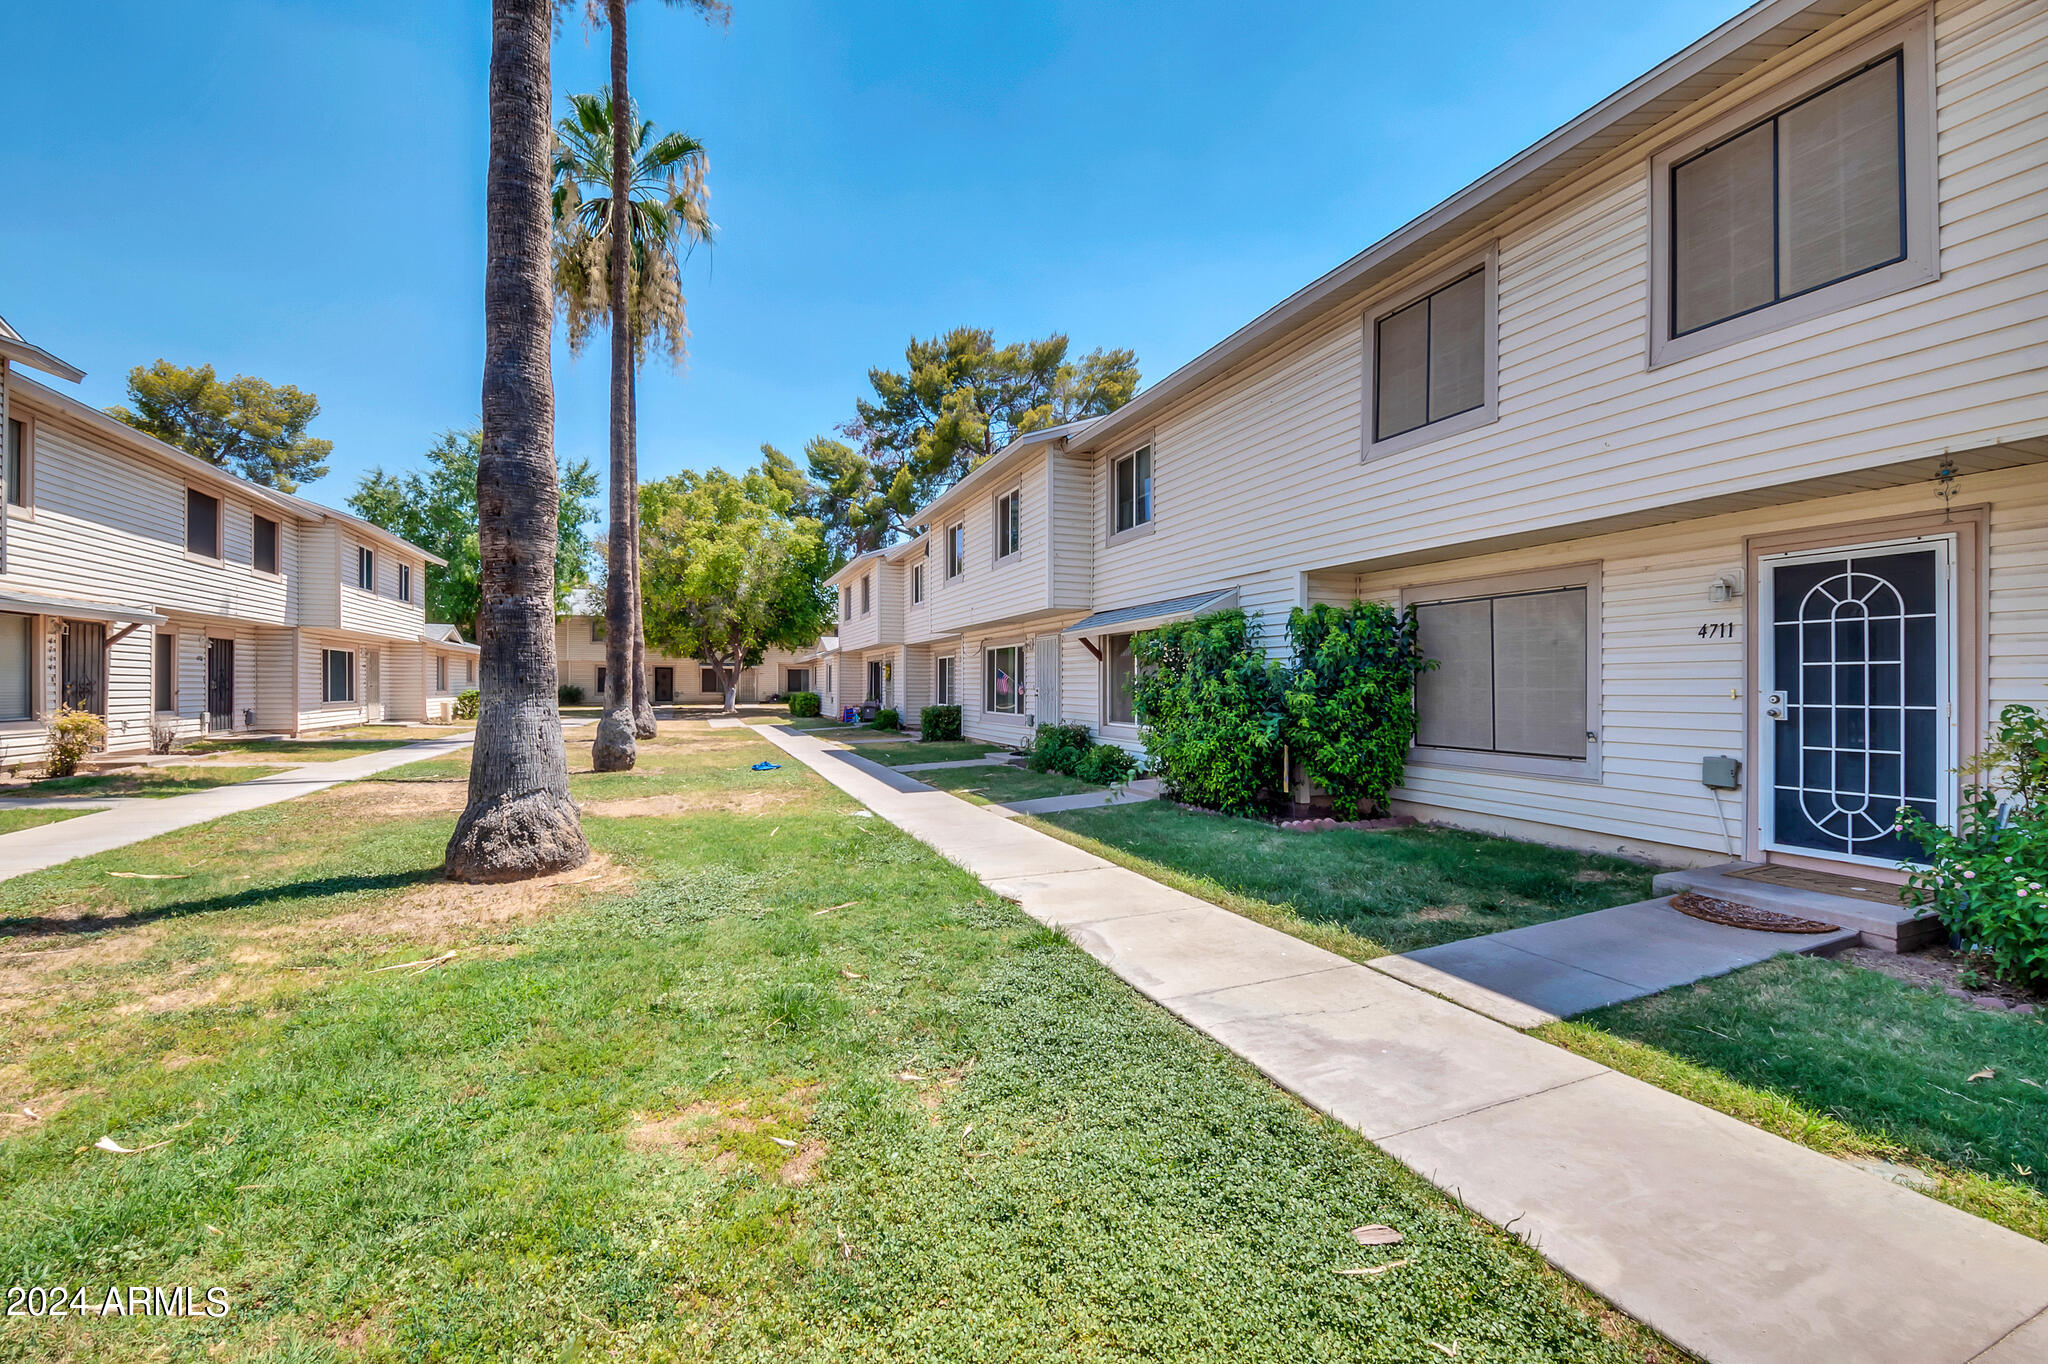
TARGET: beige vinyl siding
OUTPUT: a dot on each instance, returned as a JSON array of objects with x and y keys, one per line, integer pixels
[
  {"x": 380, "y": 612},
  {"x": 275, "y": 654},
  {"x": 320, "y": 576},
  {"x": 1666, "y": 693},
  {"x": 1079, "y": 521},
  {"x": 1585, "y": 429},
  {"x": 315, "y": 713},
  {"x": 110, "y": 526},
  {"x": 1020, "y": 585}
]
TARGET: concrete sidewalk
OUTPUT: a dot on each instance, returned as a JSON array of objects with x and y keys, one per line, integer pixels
[
  {"x": 1736, "y": 1244},
  {"x": 133, "y": 820}
]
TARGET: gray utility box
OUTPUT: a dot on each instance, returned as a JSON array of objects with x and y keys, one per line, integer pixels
[{"x": 1723, "y": 773}]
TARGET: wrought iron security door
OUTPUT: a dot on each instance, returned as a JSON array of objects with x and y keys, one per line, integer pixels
[{"x": 1858, "y": 677}]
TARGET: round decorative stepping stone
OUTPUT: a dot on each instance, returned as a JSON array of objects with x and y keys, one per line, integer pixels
[{"x": 1737, "y": 915}]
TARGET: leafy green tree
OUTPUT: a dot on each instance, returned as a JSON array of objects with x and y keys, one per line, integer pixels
[
  {"x": 1211, "y": 704},
  {"x": 436, "y": 509},
  {"x": 732, "y": 570},
  {"x": 957, "y": 400},
  {"x": 245, "y": 424}
]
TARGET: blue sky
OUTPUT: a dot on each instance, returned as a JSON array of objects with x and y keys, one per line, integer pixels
[{"x": 295, "y": 190}]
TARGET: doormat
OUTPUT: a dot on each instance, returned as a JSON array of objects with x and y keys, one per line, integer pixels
[
  {"x": 1745, "y": 916},
  {"x": 1827, "y": 883}
]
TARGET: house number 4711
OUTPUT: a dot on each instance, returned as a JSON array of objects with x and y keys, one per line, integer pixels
[{"x": 1719, "y": 629}]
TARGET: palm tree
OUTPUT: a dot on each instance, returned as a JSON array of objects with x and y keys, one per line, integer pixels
[
  {"x": 642, "y": 304},
  {"x": 519, "y": 821}
]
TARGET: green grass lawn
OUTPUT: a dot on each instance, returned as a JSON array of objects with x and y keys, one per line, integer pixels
[
  {"x": 301, "y": 750},
  {"x": 1000, "y": 785},
  {"x": 760, "y": 1083},
  {"x": 1855, "y": 1063},
  {"x": 945, "y": 751},
  {"x": 12, "y": 821},
  {"x": 1361, "y": 893},
  {"x": 147, "y": 781}
]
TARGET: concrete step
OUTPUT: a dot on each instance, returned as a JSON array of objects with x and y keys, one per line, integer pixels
[{"x": 1888, "y": 928}]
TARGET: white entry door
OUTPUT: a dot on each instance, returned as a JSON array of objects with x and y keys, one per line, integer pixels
[
  {"x": 1857, "y": 676},
  {"x": 373, "y": 684}
]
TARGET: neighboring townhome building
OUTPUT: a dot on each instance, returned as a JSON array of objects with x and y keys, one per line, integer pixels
[
  {"x": 1711, "y": 426},
  {"x": 579, "y": 659},
  {"x": 160, "y": 591}
]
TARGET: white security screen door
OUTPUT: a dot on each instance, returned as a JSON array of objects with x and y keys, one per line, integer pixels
[{"x": 1857, "y": 676}]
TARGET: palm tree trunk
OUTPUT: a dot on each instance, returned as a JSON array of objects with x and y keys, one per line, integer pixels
[
  {"x": 614, "y": 748},
  {"x": 643, "y": 704},
  {"x": 520, "y": 821}
]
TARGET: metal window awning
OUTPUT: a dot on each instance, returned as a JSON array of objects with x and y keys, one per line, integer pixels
[
  {"x": 1153, "y": 614},
  {"x": 35, "y": 604}
]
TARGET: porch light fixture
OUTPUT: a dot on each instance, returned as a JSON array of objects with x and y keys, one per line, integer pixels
[{"x": 1727, "y": 587}]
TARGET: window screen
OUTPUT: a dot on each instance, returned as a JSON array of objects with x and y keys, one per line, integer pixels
[
  {"x": 166, "y": 673},
  {"x": 405, "y": 582},
  {"x": 264, "y": 555},
  {"x": 17, "y": 443},
  {"x": 1510, "y": 674},
  {"x": 942, "y": 683},
  {"x": 917, "y": 582},
  {"x": 17, "y": 672},
  {"x": 1134, "y": 489},
  {"x": 1009, "y": 524},
  {"x": 340, "y": 679},
  {"x": 366, "y": 570},
  {"x": 1429, "y": 358},
  {"x": 1119, "y": 670},
  {"x": 1806, "y": 198},
  {"x": 202, "y": 523},
  {"x": 956, "y": 551},
  {"x": 1003, "y": 682}
]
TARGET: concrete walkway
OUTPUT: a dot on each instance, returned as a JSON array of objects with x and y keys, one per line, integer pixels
[
  {"x": 1736, "y": 1244},
  {"x": 1133, "y": 793},
  {"x": 999, "y": 760},
  {"x": 1526, "y": 977},
  {"x": 133, "y": 820}
]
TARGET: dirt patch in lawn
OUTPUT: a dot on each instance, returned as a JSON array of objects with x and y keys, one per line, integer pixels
[
  {"x": 437, "y": 912},
  {"x": 399, "y": 799},
  {"x": 696, "y": 802},
  {"x": 1944, "y": 970}
]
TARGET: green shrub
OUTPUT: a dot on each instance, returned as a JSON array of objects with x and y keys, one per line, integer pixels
[
  {"x": 467, "y": 703},
  {"x": 1350, "y": 700},
  {"x": 1210, "y": 703},
  {"x": 804, "y": 704},
  {"x": 1988, "y": 878},
  {"x": 938, "y": 724},
  {"x": 1106, "y": 765},
  {"x": 886, "y": 718},
  {"x": 569, "y": 694},
  {"x": 73, "y": 734},
  {"x": 1058, "y": 748}
]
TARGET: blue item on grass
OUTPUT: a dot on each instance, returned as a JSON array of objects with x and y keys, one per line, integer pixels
[{"x": 767, "y": 767}]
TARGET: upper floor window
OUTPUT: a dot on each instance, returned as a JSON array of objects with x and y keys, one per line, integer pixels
[
  {"x": 405, "y": 582},
  {"x": 263, "y": 553},
  {"x": 1009, "y": 523},
  {"x": 956, "y": 550},
  {"x": 1820, "y": 200},
  {"x": 18, "y": 441},
  {"x": 1132, "y": 482},
  {"x": 867, "y": 599},
  {"x": 366, "y": 569},
  {"x": 916, "y": 583},
  {"x": 202, "y": 523},
  {"x": 1431, "y": 359},
  {"x": 597, "y": 631}
]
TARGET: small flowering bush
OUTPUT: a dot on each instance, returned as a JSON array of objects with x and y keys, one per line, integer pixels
[{"x": 1987, "y": 878}]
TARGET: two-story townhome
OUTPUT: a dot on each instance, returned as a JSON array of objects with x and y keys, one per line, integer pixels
[
  {"x": 579, "y": 655},
  {"x": 164, "y": 593},
  {"x": 1712, "y": 426}
]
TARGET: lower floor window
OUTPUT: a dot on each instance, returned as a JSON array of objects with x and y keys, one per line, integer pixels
[
  {"x": 1120, "y": 670},
  {"x": 338, "y": 667},
  {"x": 600, "y": 681},
  {"x": 441, "y": 672},
  {"x": 17, "y": 666},
  {"x": 942, "y": 683},
  {"x": 1003, "y": 681},
  {"x": 799, "y": 679},
  {"x": 166, "y": 674},
  {"x": 1510, "y": 677},
  {"x": 710, "y": 679}
]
